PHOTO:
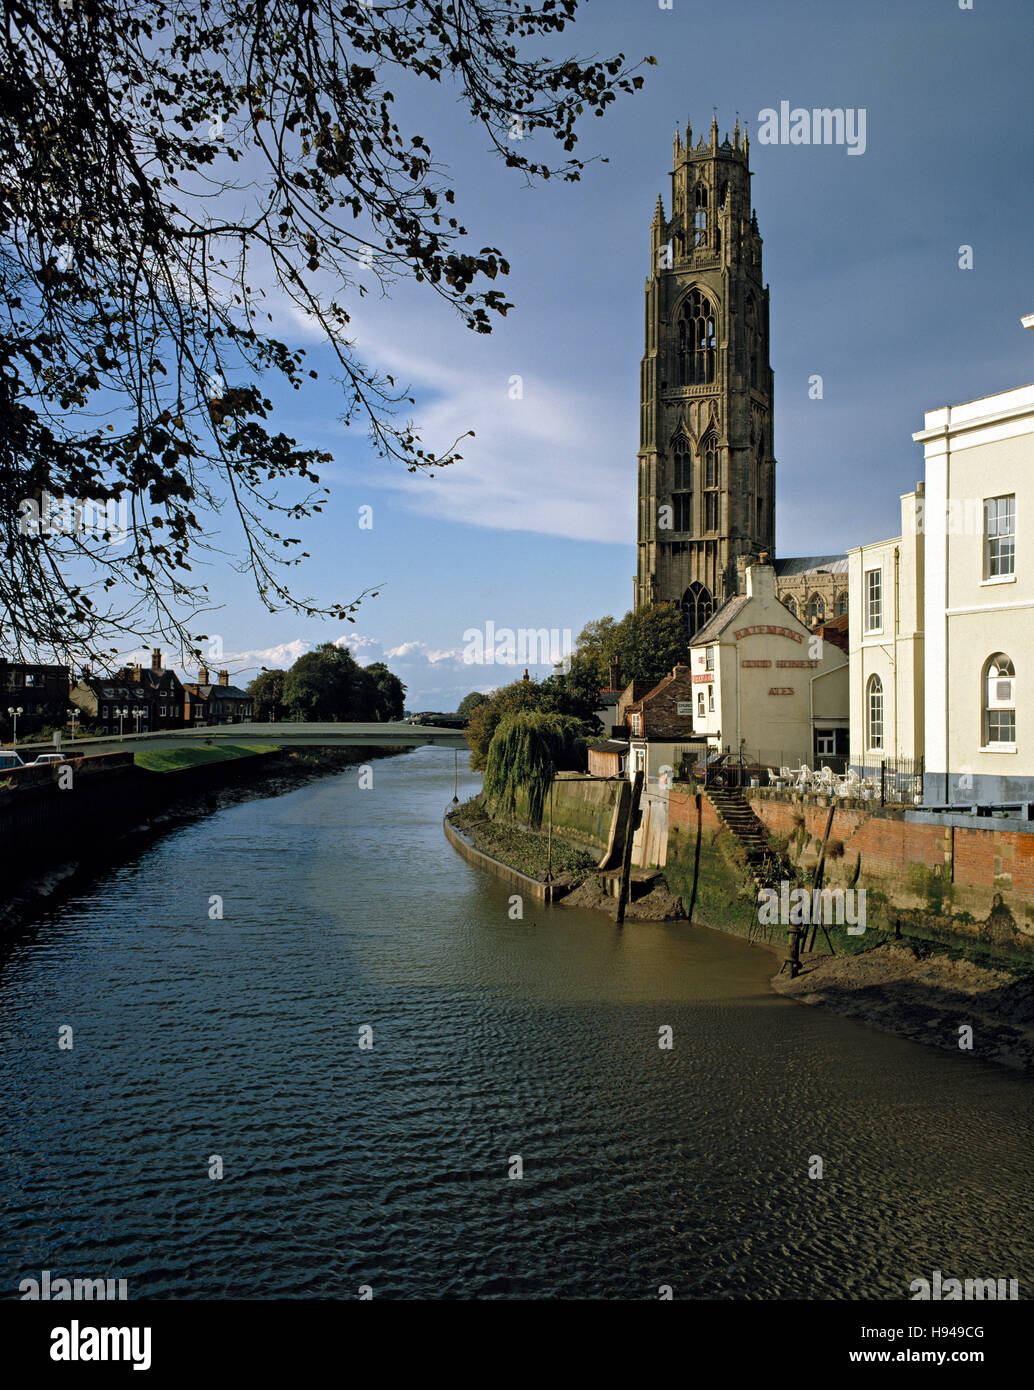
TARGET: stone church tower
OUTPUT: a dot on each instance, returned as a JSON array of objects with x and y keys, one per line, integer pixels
[{"x": 706, "y": 470}]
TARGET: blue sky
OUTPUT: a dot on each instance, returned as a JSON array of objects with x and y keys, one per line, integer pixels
[{"x": 536, "y": 527}]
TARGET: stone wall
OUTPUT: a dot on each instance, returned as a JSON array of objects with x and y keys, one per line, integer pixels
[{"x": 582, "y": 809}]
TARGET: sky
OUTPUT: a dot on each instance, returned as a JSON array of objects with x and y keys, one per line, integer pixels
[{"x": 535, "y": 528}]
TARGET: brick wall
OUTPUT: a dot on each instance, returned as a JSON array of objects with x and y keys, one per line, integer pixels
[{"x": 916, "y": 865}]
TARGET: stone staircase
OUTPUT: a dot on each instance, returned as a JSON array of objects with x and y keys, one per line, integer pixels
[{"x": 767, "y": 867}]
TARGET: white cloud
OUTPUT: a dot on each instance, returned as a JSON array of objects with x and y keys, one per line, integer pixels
[{"x": 555, "y": 461}]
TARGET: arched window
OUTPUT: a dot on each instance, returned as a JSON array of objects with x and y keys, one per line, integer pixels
[
  {"x": 700, "y": 215},
  {"x": 683, "y": 473},
  {"x": 709, "y": 454},
  {"x": 842, "y": 604},
  {"x": 999, "y": 702},
  {"x": 682, "y": 485},
  {"x": 697, "y": 343},
  {"x": 791, "y": 604},
  {"x": 710, "y": 467},
  {"x": 874, "y": 713},
  {"x": 816, "y": 608},
  {"x": 698, "y": 606}
]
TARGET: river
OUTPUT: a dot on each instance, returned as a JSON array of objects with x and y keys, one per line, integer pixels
[{"x": 196, "y": 1036}]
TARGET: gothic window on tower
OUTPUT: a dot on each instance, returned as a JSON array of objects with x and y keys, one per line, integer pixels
[
  {"x": 697, "y": 606},
  {"x": 700, "y": 216},
  {"x": 682, "y": 485},
  {"x": 696, "y": 340},
  {"x": 712, "y": 482}
]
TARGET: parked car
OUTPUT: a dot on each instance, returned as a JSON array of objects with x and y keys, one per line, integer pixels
[
  {"x": 49, "y": 758},
  {"x": 9, "y": 760}
]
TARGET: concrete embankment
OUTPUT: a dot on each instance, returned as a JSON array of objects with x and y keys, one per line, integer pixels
[{"x": 528, "y": 887}]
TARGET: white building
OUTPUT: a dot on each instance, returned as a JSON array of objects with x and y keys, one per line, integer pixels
[
  {"x": 765, "y": 684},
  {"x": 885, "y": 640},
  {"x": 979, "y": 598}
]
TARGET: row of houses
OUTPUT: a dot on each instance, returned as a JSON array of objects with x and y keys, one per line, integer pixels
[
  {"x": 133, "y": 699},
  {"x": 924, "y": 671}
]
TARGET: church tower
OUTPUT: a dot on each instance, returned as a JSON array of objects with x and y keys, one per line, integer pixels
[{"x": 706, "y": 470}]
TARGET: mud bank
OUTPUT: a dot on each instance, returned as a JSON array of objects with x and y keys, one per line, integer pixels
[{"x": 929, "y": 998}]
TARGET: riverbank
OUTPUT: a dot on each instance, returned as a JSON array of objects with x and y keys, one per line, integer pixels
[
  {"x": 928, "y": 997},
  {"x": 913, "y": 988},
  {"x": 575, "y": 878},
  {"x": 179, "y": 797}
]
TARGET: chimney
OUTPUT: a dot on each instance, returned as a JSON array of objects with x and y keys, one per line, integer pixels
[
  {"x": 156, "y": 659},
  {"x": 138, "y": 672},
  {"x": 202, "y": 675},
  {"x": 615, "y": 674},
  {"x": 224, "y": 678},
  {"x": 761, "y": 577}
]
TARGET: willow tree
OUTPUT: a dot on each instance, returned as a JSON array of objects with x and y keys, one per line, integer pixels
[
  {"x": 526, "y": 752},
  {"x": 172, "y": 174}
]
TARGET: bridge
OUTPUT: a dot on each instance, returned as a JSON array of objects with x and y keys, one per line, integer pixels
[{"x": 286, "y": 735}]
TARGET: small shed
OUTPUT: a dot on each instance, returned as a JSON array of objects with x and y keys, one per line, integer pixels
[{"x": 608, "y": 759}]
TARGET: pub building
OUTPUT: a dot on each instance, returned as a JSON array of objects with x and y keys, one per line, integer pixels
[{"x": 765, "y": 683}]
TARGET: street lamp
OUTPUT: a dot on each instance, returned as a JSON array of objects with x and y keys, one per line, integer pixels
[
  {"x": 14, "y": 713},
  {"x": 73, "y": 714},
  {"x": 138, "y": 714},
  {"x": 122, "y": 714}
]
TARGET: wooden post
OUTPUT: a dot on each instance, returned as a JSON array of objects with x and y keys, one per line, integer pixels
[
  {"x": 820, "y": 869},
  {"x": 549, "y": 836},
  {"x": 630, "y": 829},
  {"x": 793, "y": 960}
]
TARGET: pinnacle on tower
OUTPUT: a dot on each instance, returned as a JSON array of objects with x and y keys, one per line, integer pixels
[
  {"x": 658, "y": 216},
  {"x": 736, "y": 133}
]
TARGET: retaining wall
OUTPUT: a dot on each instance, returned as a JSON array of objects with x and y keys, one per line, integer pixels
[
  {"x": 531, "y": 887},
  {"x": 917, "y": 861}
]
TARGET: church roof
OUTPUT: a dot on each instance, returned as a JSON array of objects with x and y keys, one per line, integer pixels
[{"x": 810, "y": 564}]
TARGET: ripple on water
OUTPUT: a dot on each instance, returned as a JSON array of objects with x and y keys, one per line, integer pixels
[{"x": 492, "y": 1039}]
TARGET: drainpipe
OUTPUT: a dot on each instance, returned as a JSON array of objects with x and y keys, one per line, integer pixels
[{"x": 811, "y": 713}]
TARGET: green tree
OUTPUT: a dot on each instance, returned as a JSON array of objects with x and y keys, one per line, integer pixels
[
  {"x": 267, "y": 692},
  {"x": 527, "y": 749},
  {"x": 654, "y": 640},
  {"x": 174, "y": 172},
  {"x": 391, "y": 693},
  {"x": 647, "y": 642},
  {"x": 329, "y": 685},
  {"x": 551, "y": 696},
  {"x": 470, "y": 702}
]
